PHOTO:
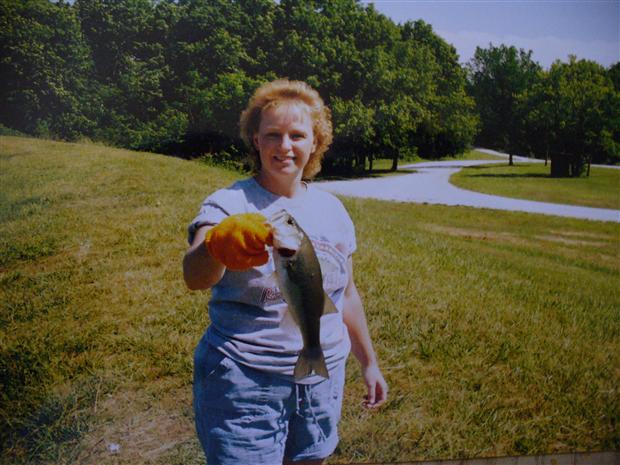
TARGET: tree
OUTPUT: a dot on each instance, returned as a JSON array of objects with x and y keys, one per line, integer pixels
[
  {"x": 396, "y": 123},
  {"x": 173, "y": 75},
  {"x": 452, "y": 122},
  {"x": 44, "y": 69},
  {"x": 354, "y": 134},
  {"x": 614, "y": 74},
  {"x": 585, "y": 114},
  {"x": 497, "y": 76},
  {"x": 128, "y": 39},
  {"x": 538, "y": 108}
]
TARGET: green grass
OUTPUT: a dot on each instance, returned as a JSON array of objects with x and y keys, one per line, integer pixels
[
  {"x": 498, "y": 332},
  {"x": 473, "y": 155},
  {"x": 531, "y": 181},
  {"x": 383, "y": 164}
]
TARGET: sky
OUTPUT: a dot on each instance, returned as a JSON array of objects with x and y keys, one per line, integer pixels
[{"x": 552, "y": 29}]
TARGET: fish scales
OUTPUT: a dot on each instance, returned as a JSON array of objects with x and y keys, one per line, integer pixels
[
  {"x": 304, "y": 291},
  {"x": 299, "y": 276}
]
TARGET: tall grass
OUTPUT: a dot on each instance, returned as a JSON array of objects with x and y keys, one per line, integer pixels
[{"x": 498, "y": 332}]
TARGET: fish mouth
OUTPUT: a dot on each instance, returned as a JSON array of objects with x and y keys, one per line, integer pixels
[
  {"x": 278, "y": 216},
  {"x": 287, "y": 237},
  {"x": 286, "y": 253}
]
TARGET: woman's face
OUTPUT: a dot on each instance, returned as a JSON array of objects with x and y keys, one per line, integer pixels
[{"x": 285, "y": 139}]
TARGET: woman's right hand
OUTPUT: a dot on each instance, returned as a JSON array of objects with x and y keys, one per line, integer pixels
[{"x": 239, "y": 241}]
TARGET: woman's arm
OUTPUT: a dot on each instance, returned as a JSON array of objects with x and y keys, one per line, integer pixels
[
  {"x": 361, "y": 344},
  {"x": 201, "y": 270}
]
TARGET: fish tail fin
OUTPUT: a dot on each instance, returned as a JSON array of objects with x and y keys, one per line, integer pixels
[{"x": 310, "y": 360}]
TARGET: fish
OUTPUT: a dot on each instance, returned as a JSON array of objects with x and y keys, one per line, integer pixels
[{"x": 298, "y": 274}]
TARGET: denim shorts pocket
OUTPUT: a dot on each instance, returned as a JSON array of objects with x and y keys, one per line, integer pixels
[
  {"x": 215, "y": 362},
  {"x": 207, "y": 362}
]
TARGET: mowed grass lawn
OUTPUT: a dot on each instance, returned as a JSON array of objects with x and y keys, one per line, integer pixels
[
  {"x": 531, "y": 181},
  {"x": 498, "y": 332}
]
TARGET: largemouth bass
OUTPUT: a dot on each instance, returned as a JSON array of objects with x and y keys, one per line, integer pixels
[{"x": 299, "y": 277}]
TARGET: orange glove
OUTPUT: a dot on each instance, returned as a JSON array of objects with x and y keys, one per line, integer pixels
[{"x": 239, "y": 241}]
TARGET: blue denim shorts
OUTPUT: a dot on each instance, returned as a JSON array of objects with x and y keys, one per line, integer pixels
[{"x": 246, "y": 416}]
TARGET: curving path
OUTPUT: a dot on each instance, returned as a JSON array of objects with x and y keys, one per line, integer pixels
[{"x": 430, "y": 184}]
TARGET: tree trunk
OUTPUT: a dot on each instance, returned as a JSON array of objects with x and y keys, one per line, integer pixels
[
  {"x": 510, "y": 163},
  {"x": 394, "y": 162},
  {"x": 577, "y": 166},
  {"x": 560, "y": 166},
  {"x": 370, "y": 160},
  {"x": 361, "y": 163}
]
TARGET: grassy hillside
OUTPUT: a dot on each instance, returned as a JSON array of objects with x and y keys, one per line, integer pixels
[
  {"x": 531, "y": 181},
  {"x": 498, "y": 332}
]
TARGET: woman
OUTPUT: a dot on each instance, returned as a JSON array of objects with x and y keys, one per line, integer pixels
[{"x": 249, "y": 408}]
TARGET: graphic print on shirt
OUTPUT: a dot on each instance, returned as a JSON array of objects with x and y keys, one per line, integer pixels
[{"x": 333, "y": 268}]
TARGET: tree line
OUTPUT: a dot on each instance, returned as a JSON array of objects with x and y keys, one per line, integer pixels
[
  {"x": 569, "y": 113},
  {"x": 173, "y": 76}
]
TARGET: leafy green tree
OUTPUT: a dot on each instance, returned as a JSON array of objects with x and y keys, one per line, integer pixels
[
  {"x": 205, "y": 58},
  {"x": 256, "y": 30},
  {"x": 614, "y": 74},
  {"x": 611, "y": 144},
  {"x": 452, "y": 121},
  {"x": 497, "y": 76},
  {"x": 539, "y": 121},
  {"x": 396, "y": 123},
  {"x": 44, "y": 69},
  {"x": 128, "y": 41},
  {"x": 586, "y": 113},
  {"x": 299, "y": 51},
  {"x": 354, "y": 131}
]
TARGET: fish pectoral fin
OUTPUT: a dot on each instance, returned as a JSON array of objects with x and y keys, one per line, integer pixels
[{"x": 329, "y": 306}]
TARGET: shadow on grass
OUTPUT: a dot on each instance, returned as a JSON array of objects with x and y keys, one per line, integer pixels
[
  {"x": 509, "y": 175},
  {"x": 472, "y": 169},
  {"x": 381, "y": 173}
]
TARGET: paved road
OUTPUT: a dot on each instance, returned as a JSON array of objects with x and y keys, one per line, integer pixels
[{"x": 430, "y": 184}]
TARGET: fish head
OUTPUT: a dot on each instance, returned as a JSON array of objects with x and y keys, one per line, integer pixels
[{"x": 287, "y": 235}]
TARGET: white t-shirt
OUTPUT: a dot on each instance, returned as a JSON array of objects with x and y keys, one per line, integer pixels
[{"x": 250, "y": 321}]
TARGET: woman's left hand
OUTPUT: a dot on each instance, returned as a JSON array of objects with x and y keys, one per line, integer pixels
[{"x": 377, "y": 388}]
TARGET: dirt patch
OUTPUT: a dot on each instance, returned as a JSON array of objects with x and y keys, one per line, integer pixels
[
  {"x": 561, "y": 237},
  {"x": 475, "y": 234},
  {"x": 566, "y": 241},
  {"x": 583, "y": 234},
  {"x": 131, "y": 430}
]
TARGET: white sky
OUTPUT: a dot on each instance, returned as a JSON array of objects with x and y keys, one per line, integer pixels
[{"x": 552, "y": 29}]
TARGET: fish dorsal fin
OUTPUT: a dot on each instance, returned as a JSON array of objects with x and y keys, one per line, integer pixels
[{"x": 329, "y": 306}]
